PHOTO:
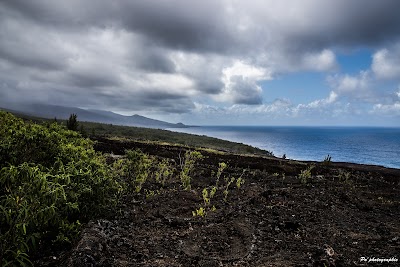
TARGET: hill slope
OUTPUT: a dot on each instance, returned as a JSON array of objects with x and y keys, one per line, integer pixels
[{"x": 92, "y": 115}]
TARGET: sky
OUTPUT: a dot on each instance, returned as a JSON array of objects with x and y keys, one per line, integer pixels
[{"x": 209, "y": 62}]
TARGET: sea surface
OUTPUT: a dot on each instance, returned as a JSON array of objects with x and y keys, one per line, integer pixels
[{"x": 366, "y": 145}]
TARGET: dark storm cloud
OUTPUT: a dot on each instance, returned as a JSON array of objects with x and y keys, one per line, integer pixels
[
  {"x": 31, "y": 60},
  {"x": 22, "y": 48},
  {"x": 112, "y": 52},
  {"x": 348, "y": 23},
  {"x": 154, "y": 61},
  {"x": 245, "y": 92},
  {"x": 369, "y": 22},
  {"x": 208, "y": 26},
  {"x": 164, "y": 102},
  {"x": 187, "y": 25},
  {"x": 86, "y": 80},
  {"x": 64, "y": 15}
]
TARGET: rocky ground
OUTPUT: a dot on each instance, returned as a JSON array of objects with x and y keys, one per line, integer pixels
[{"x": 342, "y": 212}]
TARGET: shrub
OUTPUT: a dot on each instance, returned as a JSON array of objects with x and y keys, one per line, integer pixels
[
  {"x": 138, "y": 168},
  {"x": 72, "y": 123},
  {"x": 344, "y": 176},
  {"x": 163, "y": 172},
  {"x": 187, "y": 164},
  {"x": 305, "y": 175},
  {"x": 50, "y": 180},
  {"x": 221, "y": 167}
]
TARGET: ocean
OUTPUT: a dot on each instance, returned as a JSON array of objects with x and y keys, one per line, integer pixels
[{"x": 365, "y": 145}]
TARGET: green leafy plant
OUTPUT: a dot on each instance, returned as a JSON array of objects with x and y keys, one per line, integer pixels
[
  {"x": 206, "y": 197},
  {"x": 208, "y": 194},
  {"x": 199, "y": 212},
  {"x": 221, "y": 167},
  {"x": 151, "y": 193},
  {"x": 239, "y": 182},
  {"x": 164, "y": 172},
  {"x": 305, "y": 175},
  {"x": 187, "y": 164},
  {"x": 138, "y": 168},
  {"x": 50, "y": 180},
  {"x": 226, "y": 190},
  {"x": 213, "y": 191}
]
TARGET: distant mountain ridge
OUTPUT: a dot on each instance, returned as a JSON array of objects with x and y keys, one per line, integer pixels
[{"x": 92, "y": 115}]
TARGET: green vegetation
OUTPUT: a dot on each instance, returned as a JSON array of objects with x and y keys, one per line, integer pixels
[
  {"x": 52, "y": 183},
  {"x": 209, "y": 192},
  {"x": 51, "y": 179},
  {"x": 187, "y": 165},
  {"x": 72, "y": 123},
  {"x": 305, "y": 175},
  {"x": 239, "y": 182},
  {"x": 344, "y": 176},
  {"x": 226, "y": 190},
  {"x": 199, "y": 212},
  {"x": 164, "y": 172},
  {"x": 221, "y": 168},
  {"x": 137, "y": 166},
  {"x": 166, "y": 136},
  {"x": 158, "y": 135}
]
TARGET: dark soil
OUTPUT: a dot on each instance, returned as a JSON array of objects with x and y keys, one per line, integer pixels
[{"x": 273, "y": 219}]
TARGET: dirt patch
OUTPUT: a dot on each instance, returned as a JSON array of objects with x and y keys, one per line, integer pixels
[{"x": 341, "y": 213}]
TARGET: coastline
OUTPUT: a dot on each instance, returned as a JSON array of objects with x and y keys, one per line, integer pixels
[{"x": 361, "y": 145}]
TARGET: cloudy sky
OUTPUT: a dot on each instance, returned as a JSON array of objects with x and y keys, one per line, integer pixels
[{"x": 232, "y": 62}]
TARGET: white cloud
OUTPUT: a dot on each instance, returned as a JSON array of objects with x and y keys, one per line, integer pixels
[
  {"x": 240, "y": 83},
  {"x": 323, "y": 102},
  {"x": 374, "y": 85},
  {"x": 392, "y": 109},
  {"x": 278, "y": 112},
  {"x": 239, "y": 68},
  {"x": 348, "y": 84},
  {"x": 279, "y": 107},
  {"x": 204, "y": 70},
  {"x": 386, "y": 63},
  {"x": 360, "y": 87},
  {"x": 320, "y": 61},
  {"x": 160, "y": 82}
]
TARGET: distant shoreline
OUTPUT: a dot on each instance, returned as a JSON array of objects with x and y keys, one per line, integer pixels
[{"x": 361, "y": 145}]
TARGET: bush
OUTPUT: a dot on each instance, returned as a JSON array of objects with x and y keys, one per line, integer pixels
[
  {"x": 50, "y": 180},
  {"x": 305, "y": 175},
  {"x": 28, "y": 142},
  {"x": 187, "y": 165},
  {"x": 72, "y": 123},
  {"x": 137, "y": 168}
]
